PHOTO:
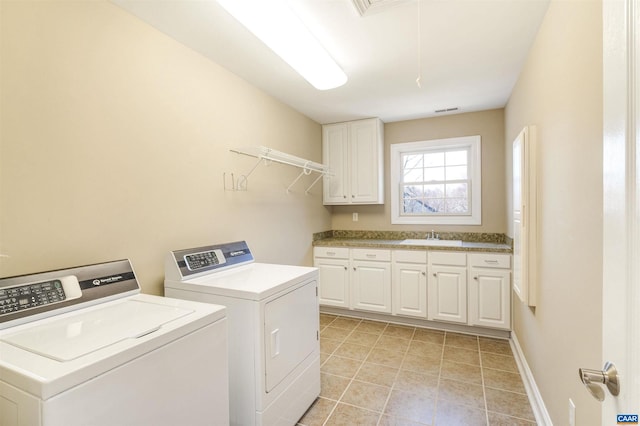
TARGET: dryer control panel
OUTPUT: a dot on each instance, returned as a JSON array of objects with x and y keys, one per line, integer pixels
[
  {"x": 188, "y": 262},
  {"x": 32, "y": 295}
]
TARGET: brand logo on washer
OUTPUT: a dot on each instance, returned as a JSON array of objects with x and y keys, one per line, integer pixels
[
  {"x": 236, "y": 253},
  {"x": 108, "y": 280}
]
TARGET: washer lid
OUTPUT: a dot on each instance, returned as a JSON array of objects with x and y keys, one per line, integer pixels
[{"x": 71, "y": 337}]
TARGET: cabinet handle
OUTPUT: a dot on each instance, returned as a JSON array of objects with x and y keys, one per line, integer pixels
[
  {"x": 475, "y": 278},
  {"x": 354, "y": 268},
  {"x": 345, "y": 268},
  {"x": 435, "y": 275},
  {"x": 424, "y": 273},
  {"x": 490, "y": 261},
  {"x": 353, "y": 196},
  {"x": 331, "y": 253},
  {"x": 372, "y": 256},
  {"x": 344, "y": 196}
]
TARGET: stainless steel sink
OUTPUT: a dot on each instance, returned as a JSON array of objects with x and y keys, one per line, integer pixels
[{"x": 433, "y": 243}]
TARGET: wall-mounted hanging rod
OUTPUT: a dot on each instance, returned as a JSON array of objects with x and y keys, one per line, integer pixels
[{"x": 269, "y": 154}]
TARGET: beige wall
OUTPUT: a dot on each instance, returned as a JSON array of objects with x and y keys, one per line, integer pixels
[
  {"x": 488, "y": 124},
  {"x": 114, "y": 139},
  {"x": 560, "y": 91}
]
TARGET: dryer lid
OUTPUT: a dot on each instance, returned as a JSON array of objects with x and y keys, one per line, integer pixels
[{"x": 71, "y": 337}]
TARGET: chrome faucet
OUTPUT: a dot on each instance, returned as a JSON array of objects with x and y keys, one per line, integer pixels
[{"x": 432, "y": 236}]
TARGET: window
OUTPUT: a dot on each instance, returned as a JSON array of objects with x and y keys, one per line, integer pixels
[{"x": 436, "y": 182}]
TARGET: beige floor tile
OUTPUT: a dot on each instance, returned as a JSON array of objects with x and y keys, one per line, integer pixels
[
  {"x": 509, "y": 403},
  {"x": 496, "y": 346},
  {"x": 335, "y": 333},
  {"x": 428, "y": 335},
  {"x": 410, "y": 406},
  {"x": 374, "y": 327},
  {"x": 385, "y": 357},
  {"x": 377, "y": 374},
  {"x": 497, "y": 419},
  {"x": 414, "y": 382},
  {"x": 395, "y": 344},
  {"x": 332, "y": 387},
  {"x": 401, "y": 331},
  {"x": 327, "y": 346},
  {"x": 505, "y": 380},
  {"x": 462, "y": 393},
  {"x": 318, "y": 413},
  {"x": 428, "y": 349},
  {"x": 339, "y": 366},
  {"x": 325, "y": 319},
  {"x": 451, "y": 414},
  {"x": 347, "y": 415},
  {"x": 498, "y": 362},
  {"x": 323, "y": 357},
  {"x": 461, "y": 372},
  {"x": 420, "y": 364},
  {"x": 361, "y": 338},
  {"x": 346, "y": 323},
  {"x": 464, "y": 341},
  {"x": 366, "y": 395},
  {"x": 350, "y": 350},
  {"x": 396, "y": 421},
  {"x": 466, "y": 356}
]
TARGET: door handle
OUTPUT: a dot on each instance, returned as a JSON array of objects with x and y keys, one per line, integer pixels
[{"x": 592, "y": 379}]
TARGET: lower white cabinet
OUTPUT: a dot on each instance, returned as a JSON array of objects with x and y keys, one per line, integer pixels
[
  {"x": 448, "y": 287},
  {"x": 371, "y": 280},
  {"x": 456, "y": 287},
  {"x": 490, "y": 290},
  {"x": 333, "y": 269},
  {"x": 409, "y": 278}
]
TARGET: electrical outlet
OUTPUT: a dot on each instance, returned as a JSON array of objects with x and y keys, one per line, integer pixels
[
  {"x": 355, "y": 217},
  {"x": 572, "y": 413}
]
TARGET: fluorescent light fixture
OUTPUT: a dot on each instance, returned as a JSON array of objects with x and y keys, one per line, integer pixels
[{"x": 275, "y": 24}]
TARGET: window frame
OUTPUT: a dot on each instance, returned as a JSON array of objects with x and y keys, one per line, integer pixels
[{"x": 474, "y": 145}]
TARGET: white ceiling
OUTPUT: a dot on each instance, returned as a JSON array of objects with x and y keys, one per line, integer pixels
[{"x": 470, "y": 52}]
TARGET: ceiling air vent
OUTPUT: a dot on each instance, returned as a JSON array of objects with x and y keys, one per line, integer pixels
[
  {"x": 446, "y": 110},
  {"x": 366, "y": 7}
]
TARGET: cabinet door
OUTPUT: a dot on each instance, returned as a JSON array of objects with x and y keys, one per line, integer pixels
[
  {"x": 410, "y": 289},
  {"x": 448, "y": 294},
  {"x": 371, "y": 286},
  {"x": 334, "y": 281},
  {"x": 489, "y": 298},
  {"x": 335, "y": 144},
  {"x": 365, "y": 140}
]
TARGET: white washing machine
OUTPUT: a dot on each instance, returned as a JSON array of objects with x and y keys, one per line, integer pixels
[
  {"x": 272, "y": 311},
  {"x": 81, "y": 346}
]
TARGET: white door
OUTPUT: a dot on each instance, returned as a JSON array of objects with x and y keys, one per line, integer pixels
[
  {"x": 621, "y": 216},
  {"x": 334, "y": 281},
  {"x": 410, "y": 289},
  {"x": 448, "y": 294},
  {"x": 290, "y": 332},
  {"x": 371, "y": 286},
  {"x": 363, "y": 138},
  {"x": 335, "y": 145}
]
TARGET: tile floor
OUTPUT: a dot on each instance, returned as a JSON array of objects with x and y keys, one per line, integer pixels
[{"x": 376, "y": 373}]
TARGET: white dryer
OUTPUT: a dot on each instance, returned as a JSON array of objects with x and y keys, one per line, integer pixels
[
  {"x": 81, "y": 346},
  {"x": 272, "y": 311}
]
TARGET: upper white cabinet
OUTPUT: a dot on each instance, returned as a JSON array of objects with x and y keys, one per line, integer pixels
[{"x": 354, "y": 152}]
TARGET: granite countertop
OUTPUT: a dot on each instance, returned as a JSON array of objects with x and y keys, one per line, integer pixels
[{"x": 496, "y": 243}]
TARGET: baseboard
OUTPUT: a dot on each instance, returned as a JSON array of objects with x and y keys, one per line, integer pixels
[{"x": 535, "y": 399}]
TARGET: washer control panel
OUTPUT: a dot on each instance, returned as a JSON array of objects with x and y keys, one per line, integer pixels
[
  {"x": 32, "y": 295},
  {"x": 204, "y": 259}
]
